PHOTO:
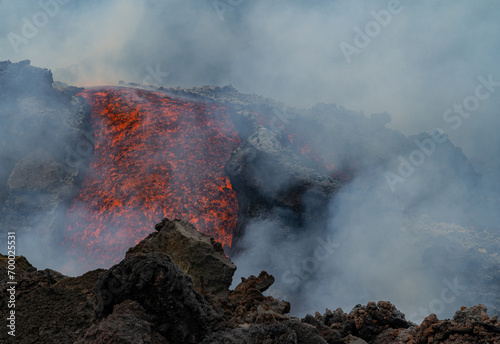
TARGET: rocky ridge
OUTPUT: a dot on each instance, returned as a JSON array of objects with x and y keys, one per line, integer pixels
[{"x": 148, "y": 298}]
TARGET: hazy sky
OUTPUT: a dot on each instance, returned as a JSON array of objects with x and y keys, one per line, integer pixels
[{"x": 415, "y": 64}]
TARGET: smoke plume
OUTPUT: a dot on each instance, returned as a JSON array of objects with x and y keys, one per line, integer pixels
[{"x": 420, "y": 67}]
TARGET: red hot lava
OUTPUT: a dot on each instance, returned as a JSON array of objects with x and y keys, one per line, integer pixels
[{"x": 155, "y": 156}]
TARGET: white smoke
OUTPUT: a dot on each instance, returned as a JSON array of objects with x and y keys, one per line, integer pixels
[{"x": 413, "y": 60}]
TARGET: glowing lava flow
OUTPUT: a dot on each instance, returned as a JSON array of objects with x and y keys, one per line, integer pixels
[{"x": 155, "y": 157}]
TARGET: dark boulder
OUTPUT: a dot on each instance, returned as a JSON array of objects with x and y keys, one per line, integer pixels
[
  {"x": 286, "y": 332},
  {"x": 196, "y": 253},
  {"x": 247, "y": 305},
  {"x": 179, "y": 313},
  {"x": 273, "y": 181},
  {"x": 50, "y": 307},
  {"x": 128, "y": 324}
]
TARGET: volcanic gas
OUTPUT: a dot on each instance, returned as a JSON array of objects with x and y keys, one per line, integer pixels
[{"x": 155, "y": 156}]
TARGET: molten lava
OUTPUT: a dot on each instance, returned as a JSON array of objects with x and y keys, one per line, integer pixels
[{"x": 155, "y": 156}]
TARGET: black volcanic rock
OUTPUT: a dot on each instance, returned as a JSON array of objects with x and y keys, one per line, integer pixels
[
  {"x": 286, "y": 332},
  {"x": 50, "y": 307},
  {"x": 469, "y": 325},
  {"x": 272, "y": 169},
  {"x": 179, "y": 312},
  {"x": 247, "y": 305},
  {"x": 21, "y": 78},
  {"x": 129, "y": 323},
  {"x": 272, "y": 179},
  {"x": 369, "y": 321},
  {"x": 146, "y": 298},
  {"x": 196, "y": 253},
  {"x": 365, "y": 322},
  {"x": 37, "y": 171}
]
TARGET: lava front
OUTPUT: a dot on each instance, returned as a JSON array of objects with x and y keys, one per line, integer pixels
[{"x": 155, "y": 156}]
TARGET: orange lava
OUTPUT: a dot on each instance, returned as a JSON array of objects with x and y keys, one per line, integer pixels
[{"x": 155, "y": 156}]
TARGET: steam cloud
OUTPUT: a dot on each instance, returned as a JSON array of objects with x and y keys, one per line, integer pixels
[{"x": 423, "y": 60}]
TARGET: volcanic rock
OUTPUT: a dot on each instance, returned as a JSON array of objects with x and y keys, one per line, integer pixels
[
  {"x": 270, "y": 177},
  {"x": 128, "y": 324},
  {"x": 22, "y": 265},
  {"x": 179, "y": 313},
  {"x": 286, "y": 332},
  {"x": 270, "y": 165},
  {"x": 247, "y": 305},
  {"x": 381, "y": 322},
  {"x": 196, "y": 253},
  {"x": 50, "y": 307},
  {"x": 365, "y": 322},
  {"x": 37, "y": 171},
  {"x": 146, "y": 298},
  {"x": 369, "y": 321},
  {"x": 469, "y": 325}
]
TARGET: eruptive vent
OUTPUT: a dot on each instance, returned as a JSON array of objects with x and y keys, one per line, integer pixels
[{"x": 155, "y": 156}]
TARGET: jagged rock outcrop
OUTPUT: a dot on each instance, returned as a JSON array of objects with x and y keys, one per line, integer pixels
[
  {"x": 147, "y": 298},
  {"x": 50, "y": 307},
  {"x": 286, "y": 332},
  {"x": 469, "y": 325},
  {"x": 128, "y": 324},
  {"x": 247, "y": 305},
  {"x": 196, "y": 253},
  {"x": 38, "y": 171},
  {"x": 381, "y": 323},
  {"x": 265, "y": 152},
  {"x": 273, "y": 181},
  {"x": 365, "y": 322},
  {"x": 179, "y": 312}
]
